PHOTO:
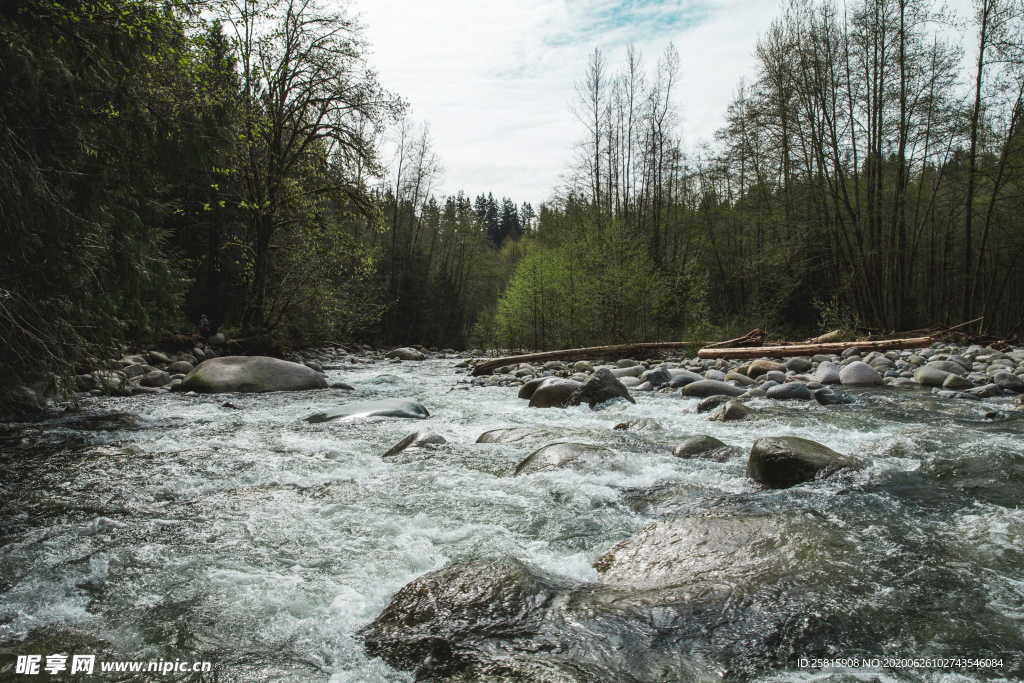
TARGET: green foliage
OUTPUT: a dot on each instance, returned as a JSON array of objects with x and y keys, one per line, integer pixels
[{"x": 600, "y": 288}]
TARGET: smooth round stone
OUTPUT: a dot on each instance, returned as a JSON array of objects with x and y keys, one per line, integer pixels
[
  {"x": 859, "y": 373},
  {"x": 790, "y": 390}
]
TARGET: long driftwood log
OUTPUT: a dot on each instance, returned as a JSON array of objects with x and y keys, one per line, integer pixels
[
  {"x": 614, "y": 351},
  {"x": 811, "y": 349}
]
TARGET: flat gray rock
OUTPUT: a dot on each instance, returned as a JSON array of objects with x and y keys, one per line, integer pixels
[
  {"x": 710, "y": 387},
  {"x": 389, "y": 407}
]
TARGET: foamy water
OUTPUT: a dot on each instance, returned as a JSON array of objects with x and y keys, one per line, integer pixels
[{"x": 262, "y": 543}]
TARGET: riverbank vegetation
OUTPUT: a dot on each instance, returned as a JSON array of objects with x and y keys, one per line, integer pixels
[
  {"x": 239, "y": 159},
  {"x": 871, "y": 175}
]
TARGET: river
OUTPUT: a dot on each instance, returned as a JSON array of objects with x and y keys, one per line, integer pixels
[{"x": 163, "y": 527}]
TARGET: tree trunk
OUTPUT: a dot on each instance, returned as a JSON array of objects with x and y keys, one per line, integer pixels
[{"x": 811, "y": 349}]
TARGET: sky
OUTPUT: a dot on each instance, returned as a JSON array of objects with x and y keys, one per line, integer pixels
[{"x": 495, "y": 79}]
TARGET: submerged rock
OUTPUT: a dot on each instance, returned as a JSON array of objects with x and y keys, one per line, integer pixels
[
  {"x": 779, "y": 462},
  {"x": 250, "y": 374},
  {"x": 701, "y": 446},
  {"x": 514, "y": 434},
  {"x": 389, "y": 407},
  {"x": 643, "y": 424},
  {"x": 415, "y": 440},
  {"x": 560, "y": 455}
]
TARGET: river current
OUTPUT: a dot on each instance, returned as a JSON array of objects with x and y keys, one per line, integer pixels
[{"x": 163, "y": 527}]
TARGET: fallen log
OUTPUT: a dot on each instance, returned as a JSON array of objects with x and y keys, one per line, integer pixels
[
  {"x": 753, "y": 338},
  {"x": 811, "y": 349},
  {"x": 586, "y": 353},
  {"x": 827, "y": 337}
]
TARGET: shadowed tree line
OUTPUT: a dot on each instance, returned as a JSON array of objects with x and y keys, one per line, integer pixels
[{"x": 160, "y": 161}]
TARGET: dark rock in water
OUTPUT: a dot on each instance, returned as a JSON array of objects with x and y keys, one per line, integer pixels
[
  {"x": 1010, "y": 381},
  {"x": 779, "y": 462},
  {"x": 250, "y": 374},
  {"x": 643, "y": 424},
  {"x": 790, "y": 391},
  {"x": 514, "y": 434},
  {"x": 710, "y": 387},
  {"x": 986, "y": 391},
  {"x": 406, "y": 353},
  {"x": 686, "y": 600},
  {"x": 712, "y": 402},
  {"x": 20, "y": 400},
  {"x": 680, "y": 378},
  {"x": 602, "y": 386},
  {"x": 342, "y": 385},
  {"x": 657, "y": 377},
  {"x": 827, "y": 396},
  {"x": 388, "y": 407},
  {"x": 553, "y": 392},
  {"x": 415, "y": 440},
  {"x": 700, "y": 446},
  {"x": 155, "y": 378},
  {"x": 560, "y": 455},
  {"x": 731, "y": 411},
  {"x": 506, "y": 620},
  {"x": 526, "y": 391}
]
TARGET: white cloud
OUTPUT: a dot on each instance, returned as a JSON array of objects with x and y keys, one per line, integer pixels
[{"x": 495, "y": 79}]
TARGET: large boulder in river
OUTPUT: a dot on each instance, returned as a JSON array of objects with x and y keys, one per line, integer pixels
[
  {"x": 250, "y": 374},
  {"x": 389, "y": 407},
  {"x": 405, "y": 353},
  {"x": 685, "y": 600},
  {"x": 602, "y": 386},
  {"x": 859, "y": 373},
  {"x": 710, "y": 387},
  {"x": 560, "y": 455},
  {"x": 553, "y": 392},
  {"x": 779, "y": 462}
]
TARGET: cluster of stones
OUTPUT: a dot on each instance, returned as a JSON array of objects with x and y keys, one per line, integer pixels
[
  {"x": 150, "y": 371},
  {"x": 156, "y": 371},
  {"x": 973, "y": 372}
]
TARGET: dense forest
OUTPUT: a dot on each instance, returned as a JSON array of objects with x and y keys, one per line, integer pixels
[
  {"x": 239, "y": 159},
  {"x": 870, "y": 177}
]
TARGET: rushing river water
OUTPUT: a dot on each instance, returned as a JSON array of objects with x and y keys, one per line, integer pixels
[{"x": 252, "y": 539}]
